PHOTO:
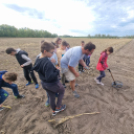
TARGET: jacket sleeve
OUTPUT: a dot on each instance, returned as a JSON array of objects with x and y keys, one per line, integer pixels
[
  {"x": 29, "y": 61},
  {"x": 51, "y": 73}
]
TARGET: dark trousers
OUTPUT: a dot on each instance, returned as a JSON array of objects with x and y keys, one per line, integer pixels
[
  {"x": 102, "y": 75},
  {"x": 52, "y": 89},
  {"x": 3, "y": 95},
  {"x": 80, "y": 67},
  {"x": 27, "y": 70},
  {"x": 63, "y": 79}
]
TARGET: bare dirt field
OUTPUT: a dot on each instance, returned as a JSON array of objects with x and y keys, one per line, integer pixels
[{"x": 30, "y": 116}]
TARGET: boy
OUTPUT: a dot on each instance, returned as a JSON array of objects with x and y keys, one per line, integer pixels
[
  {"x": 25, "y": 62},
  {"x": 80, "y": 67},
  {"x": 6, "y": 80},
  {"x": 71, "y": 59},
  {"x": 48, "y": 74},
  {"x": 60, "y": 52}
]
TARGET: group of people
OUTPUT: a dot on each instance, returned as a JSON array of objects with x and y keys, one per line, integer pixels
[{"x": 57, "y": 61}]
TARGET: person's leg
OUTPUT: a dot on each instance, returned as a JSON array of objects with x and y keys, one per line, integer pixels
[
  {"x": 3, "y": 95},
  {"x": 26, "y": 74},
  {"x": 47, "y": 102},
  {"x": 33, "y": 76},
  {"x": 14, "y": 88},
  {"x": 63, "y": 80},
  {"x": 101, "y": 76},
  {"x": 72, "y": 85}
]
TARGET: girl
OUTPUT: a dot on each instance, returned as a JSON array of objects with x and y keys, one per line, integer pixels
[
  {"x": 58, "y": 42},
  {"x": 102, "y": 64}
]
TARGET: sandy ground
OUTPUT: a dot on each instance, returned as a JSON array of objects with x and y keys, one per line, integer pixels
[{"x": 30, "y": 116}]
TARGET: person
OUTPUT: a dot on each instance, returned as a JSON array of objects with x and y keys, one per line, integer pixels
[
  {"x": 71, "y": 59},
  {"x": 80, "y": 67},
  {"x": 60, "y": 52},
  {"x": 48, "y": 74},
  {"x": 25, "y": 62},
  {"x": 58, "y": 41},
  {"x": 68, "y": 47},
  {"x": 86, "y": 59},
  {"x": 102, "y": 64},
  {"x": 6, "y": 80}
]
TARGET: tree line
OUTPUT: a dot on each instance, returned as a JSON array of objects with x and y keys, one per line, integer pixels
[{"x": 11, "y": 31}]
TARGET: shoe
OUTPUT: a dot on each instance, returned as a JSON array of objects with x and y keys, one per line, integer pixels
[
  {"x": 76, "y": 94},
  {"x": 80, "y": 72},
  {"x": 66, "y": 81},
  {"x": 29, "y": 83},
  {"x": 62, "y": 108},
  {"x": 101, "y": 83},
  {"x": 37, "y": 86},
  {"x": 20, "y": 97},
  {"x": 54, "y": 113},
  {"x": 97, "y": 81},
  {"x": 47, "y": 103},
  {"x": 64, "y": 85},
  {"x": 1, "y": 108}
]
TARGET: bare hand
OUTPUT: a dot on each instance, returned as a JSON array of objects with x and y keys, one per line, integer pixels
[
  {"x": 58, "y": 67},
  {"x": 22, "y": 66},
  {"x": 53, "y": 60},
  {"x": 86, "y": 68}
]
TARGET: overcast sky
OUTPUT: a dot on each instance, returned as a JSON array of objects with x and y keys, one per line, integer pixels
[{"x": 72, "y": 17}]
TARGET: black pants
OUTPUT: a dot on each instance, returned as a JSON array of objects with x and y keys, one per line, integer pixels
[
  {"x": 102, "y": 75},
  {"x": 80, "y": 67},
  {"x": 52, "y": 89},
  {"x": 27, "y": 71}
]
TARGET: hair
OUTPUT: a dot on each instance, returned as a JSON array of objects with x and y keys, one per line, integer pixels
[
  {"x": 89, "y": 46},
  {"x": 64, "y": 43},
  {"x": 53, "y": 43},
  {"x": 42, "y": 41},
  {"x": 57, "y": 39},
  {"x": 82, "y": 42},
  {"x": 10, "y": 50},
  {"x": 110, "y": 49},
  {"x": 46, "y": 46},
  {"x": 10, "y": 76}
]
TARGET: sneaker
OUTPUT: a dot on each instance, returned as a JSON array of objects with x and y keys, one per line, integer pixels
[
  {"x": 76, "y": 94},
  {"x": 47, "y": 103},
  {"x": 80, "y": 72},
  {"x": 97, "y": 81},
  {"x": 20, "y": 96},
  {"x": 1, "y": 108},
  {"x": 101, "y": 83},
  {"x": 37, "y": 86},
  {"x": 54, "y": 113},
  {"x": 29, "y": 83},
  {"x": 64, "y": 85},
  {"x": 62, "y": 108}
]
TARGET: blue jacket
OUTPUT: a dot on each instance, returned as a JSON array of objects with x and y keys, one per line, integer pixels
[{"x": 1, "y": 73}]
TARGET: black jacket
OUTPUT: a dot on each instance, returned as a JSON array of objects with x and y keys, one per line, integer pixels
[{"x": 46, "y": 70}]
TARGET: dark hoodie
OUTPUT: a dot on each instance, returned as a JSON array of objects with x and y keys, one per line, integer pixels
[{"x": 47, "y": 72}]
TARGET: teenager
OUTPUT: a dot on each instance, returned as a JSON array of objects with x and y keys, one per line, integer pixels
[
  {"x": 48, "y": 74},
  {"x": 6, "y": 80},
  {"x": 102, "y": 64},
  {"x": 71, "y": 59},
  {"x": 25, "y": 62},
  {"x": 58, "y": 42},
  {"x": 60, "y": 52},
  {"x": 80, "y": 67}
]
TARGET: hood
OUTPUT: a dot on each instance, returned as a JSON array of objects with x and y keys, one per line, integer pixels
[{"x": 17, "y": 50}]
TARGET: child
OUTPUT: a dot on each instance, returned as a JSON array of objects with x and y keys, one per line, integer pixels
[
  {"x": 68, "y": 47},
  {"x": 49, "y": 77},
  {"x": 102, "y": 64},
  {"x": 80, "y": 67},
  {"x": 25, "y": 62},
  {"x": 58, "y": 42},
  {"x": 6, "y": 80},
  {"x": 60, "y": 52}
]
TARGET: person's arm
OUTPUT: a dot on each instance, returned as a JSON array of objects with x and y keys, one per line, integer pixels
[
  {"x": 73, "y": 71},
  {"x": 29, "y": 61},
  {"x": 51, "y": 73}
]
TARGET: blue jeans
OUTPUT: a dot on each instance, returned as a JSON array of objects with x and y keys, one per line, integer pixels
[
  {"x": 3, "y": 95},
  {"x": 12, "y": 86},
  {"x": 102, "y": 75}
]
